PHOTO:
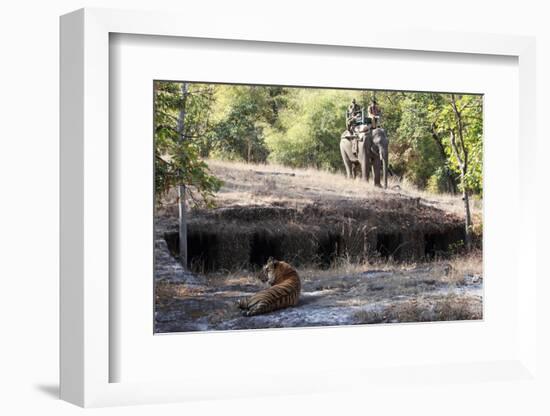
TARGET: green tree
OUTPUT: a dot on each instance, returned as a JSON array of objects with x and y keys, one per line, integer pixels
[
  {"x": 308, "y": 134},
  {"x": 413, "y": 151},
  {"x": 242, "y": 114},
  {"x": 181, "y": 117},
  {"x": 418, "y": 149},
  {"x": 460, "y": 118}
]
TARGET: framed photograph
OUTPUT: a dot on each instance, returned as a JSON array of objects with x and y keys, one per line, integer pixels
[
  {"x": 281, "y": 228},
  {"x": 228, "y": 197}
]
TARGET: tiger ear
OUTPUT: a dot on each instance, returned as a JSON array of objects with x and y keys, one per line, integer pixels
[{"x": 272, "y": 261}]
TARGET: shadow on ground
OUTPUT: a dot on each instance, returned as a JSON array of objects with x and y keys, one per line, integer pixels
[{"x": 51, "y": 390}]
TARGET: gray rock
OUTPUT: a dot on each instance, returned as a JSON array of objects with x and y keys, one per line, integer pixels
[
  {"x": 167, "y": 268},
  {"x": 473, "y": 279}
]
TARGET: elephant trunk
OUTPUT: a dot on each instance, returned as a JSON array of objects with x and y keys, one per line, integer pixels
[
  {"x": 382, "y": 143},
  {"x": 385, "y": 168}
]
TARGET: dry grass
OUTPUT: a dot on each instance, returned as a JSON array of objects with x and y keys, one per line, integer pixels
[
  {"x": 455, "y": 268},
  {"x": 176, "y": 290},
  {"x": 264, "y": 184},
  {"x": 460, "y": 266},
  {"x": 338, "y": 268},
  {"x": 167, "y": 292},
  {"x": 272, "y": 185},
  {"x": 446, "y": 308},
  {"x": 242, "y": 277}
]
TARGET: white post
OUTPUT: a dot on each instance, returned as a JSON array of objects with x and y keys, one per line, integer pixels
[
  {"x": 182, "y": 226},
  {"x": 181, "y": 187}
]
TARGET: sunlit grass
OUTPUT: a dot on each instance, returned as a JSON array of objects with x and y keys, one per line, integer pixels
[
  {"x": 268, "y": 182},
  {"x": 276, "y": 185}
]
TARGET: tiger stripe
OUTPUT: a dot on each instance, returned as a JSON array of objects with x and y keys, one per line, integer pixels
[{"x": 284, "y": 291}]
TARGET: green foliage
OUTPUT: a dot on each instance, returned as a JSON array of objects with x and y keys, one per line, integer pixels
[
  {"x": 413, "y": 150},
  {"x": 438, "y": 182},
  {"x": 467, "y": 128},
  {"x": 242, "y": 114},
  {"x": 309, "y": 129},
  {"x": 301, "y": 127},
  {"x": 421, "y": 148},
  {"x": 179, "y": 120}
]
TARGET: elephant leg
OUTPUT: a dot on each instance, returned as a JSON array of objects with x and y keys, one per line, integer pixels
[
  {"x": 364, "y": 170},
  {"x": 365, "y": 166},
  {"x": 377, "y": 171},
  {"x": 347, "y": 162}
]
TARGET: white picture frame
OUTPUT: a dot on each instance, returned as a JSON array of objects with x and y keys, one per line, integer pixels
[{"x": 85, "y": 218}]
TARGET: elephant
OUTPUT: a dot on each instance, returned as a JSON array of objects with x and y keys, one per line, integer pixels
[{"x": 372, "y": 152}]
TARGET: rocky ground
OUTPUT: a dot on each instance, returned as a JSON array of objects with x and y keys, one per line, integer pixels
[{"x": 415, "y": 293}]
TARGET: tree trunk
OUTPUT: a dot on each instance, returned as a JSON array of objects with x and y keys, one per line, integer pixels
[
  {"x": 461, "y": 153},
  {"x": 462, "y": 163},
  {"x": 181, "y": 187},
  {"x": 450, "y": 180},
  {"x": 451, "y": 183},
  {"x": 182, "y": 225},
  {"x": 468, "y": 217}
]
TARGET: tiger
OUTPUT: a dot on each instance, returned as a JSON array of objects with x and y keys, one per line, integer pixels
[{"x": 284, "y": 291}]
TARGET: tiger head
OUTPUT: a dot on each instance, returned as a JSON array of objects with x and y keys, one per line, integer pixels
[{"x": 268, "y": 273}]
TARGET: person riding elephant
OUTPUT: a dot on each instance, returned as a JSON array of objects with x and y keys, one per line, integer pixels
[
  {"x": 369, "y": 153},
  {"x": 354, "y": 111},
  {"x": 374, "y": 114}
]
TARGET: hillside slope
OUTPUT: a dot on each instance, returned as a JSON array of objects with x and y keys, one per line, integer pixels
[
  {"x": 265, "y": 185},
  {"x": 311, "y": 217}
]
